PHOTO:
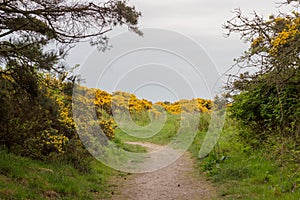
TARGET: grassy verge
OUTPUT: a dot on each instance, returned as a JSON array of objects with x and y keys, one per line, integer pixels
[
  {"x": 242, "y": 173},
  {"x": 24, "y": 178}
]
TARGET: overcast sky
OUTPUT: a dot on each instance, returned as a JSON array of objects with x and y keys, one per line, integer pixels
[{"x": 199, "y": 20}]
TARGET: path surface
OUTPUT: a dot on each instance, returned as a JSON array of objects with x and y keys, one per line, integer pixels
[{"x": 179, "y": 181}]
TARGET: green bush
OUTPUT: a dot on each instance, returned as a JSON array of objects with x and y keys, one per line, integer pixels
[{"x": 267, "y": 112}]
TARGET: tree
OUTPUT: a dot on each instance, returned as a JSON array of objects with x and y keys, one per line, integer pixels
[
  {"x": 27, "y": 26},
  {"x": 36, "y": 119},
  {"x": 266, "y": 95},
  {"x": 274, "y": 46}
]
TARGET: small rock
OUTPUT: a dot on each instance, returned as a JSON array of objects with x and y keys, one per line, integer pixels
[{"x": 45, "y": 170}]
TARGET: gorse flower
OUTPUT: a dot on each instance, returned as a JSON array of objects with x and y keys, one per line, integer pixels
[{"x": 52, "y": 141}]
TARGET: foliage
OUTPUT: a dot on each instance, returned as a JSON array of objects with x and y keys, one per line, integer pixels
[
  {"x": 267, "y": 113},
  {"x": 188, "y": 106},
  {"x": 36, "y": 94},
  {"x": 64, "y": 21},
  {"x": 265, "y": 102},
  {"x": 27, "y": 27},
  {"x": 43, "y": 128},
  {"x": 266, "y": 99},
  {"x": 35, "y": 97},
  {"x": 31, "y": 127},
  {"x": 274, "y": 47}
]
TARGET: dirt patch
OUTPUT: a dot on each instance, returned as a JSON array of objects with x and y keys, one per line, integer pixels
[
  {"x": 149, "y": 146},
  {"x": 176, "y": 181}
]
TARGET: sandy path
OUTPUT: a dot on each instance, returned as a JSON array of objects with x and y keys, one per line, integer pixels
[{"x": 179, "y": 181}]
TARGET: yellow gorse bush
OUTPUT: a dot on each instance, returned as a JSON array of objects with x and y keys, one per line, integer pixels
[
  {"x": 53, "y": 141},
  {"x": 127, "y": 101},
  {"x": 286, "y": 32},
  {"x": 103, "y": 100},
  {"x": 108, "y": 127},
  {"x": 187, "y": 106}
]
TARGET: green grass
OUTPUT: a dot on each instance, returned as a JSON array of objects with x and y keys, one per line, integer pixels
[
  {"x": 242, "y": 173},
  {"x": 252, "y": 177},
  {"x": 25, "y": 178},
  {"x": 164, "y": 136}
]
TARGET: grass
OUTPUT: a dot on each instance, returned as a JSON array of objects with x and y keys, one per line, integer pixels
[
  {"x": 164, "y": 136},
  {"x": 240, "y": 172},
  {"x": 252, "y": 177},
  {"x": 23, "y": 178},
  {"x": 172, "y": 131}
]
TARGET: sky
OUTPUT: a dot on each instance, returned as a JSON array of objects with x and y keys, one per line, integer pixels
[{"x": 195, "y": 55}]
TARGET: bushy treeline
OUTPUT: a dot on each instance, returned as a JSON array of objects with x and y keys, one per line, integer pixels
[
  {"x": 40, "y": 125},
  {"x": 35, "y": 110},
  {"x": 266, "y": 99},
  {"x": 257, "y": 155},
  {"x": 269, "y": 113}
]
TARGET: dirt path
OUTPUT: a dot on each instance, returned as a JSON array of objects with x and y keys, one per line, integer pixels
[{"x": 179, "y": 181}]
